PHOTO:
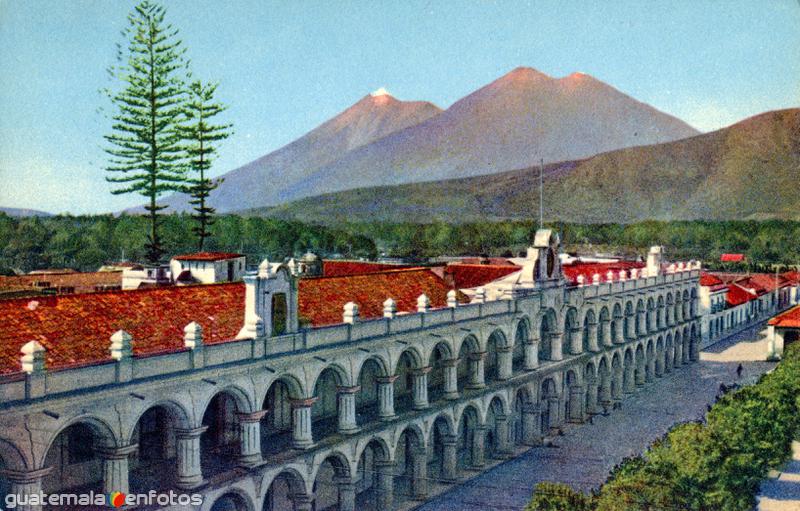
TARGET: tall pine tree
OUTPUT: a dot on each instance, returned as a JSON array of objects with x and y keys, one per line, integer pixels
[
  {"x": 202, "y": 139},
  {"x": 146, "y": 154}
]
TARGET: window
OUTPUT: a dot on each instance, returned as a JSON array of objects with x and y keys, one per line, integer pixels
[{"x": 279, "y": 314}]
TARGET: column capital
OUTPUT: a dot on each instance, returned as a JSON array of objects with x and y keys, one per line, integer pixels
[
  {"x": 303, "y": 403},
  {"x": 421, "y": 371},
  {"x": 252, "y": 416},
  {"x": 191, "y": 432},
  {"x": 25, "y": 476},
  {"x": 387, "y": 379},
  {"x": 116, "y": 453},
  {"x": 348, "y": 390}
]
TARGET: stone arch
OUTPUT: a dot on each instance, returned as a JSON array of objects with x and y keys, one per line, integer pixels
[
  {"x": 277, "y": 422},
  {"x": 325, "y": 409},
  {"x": 470, "y": 447},
  {"x": 669, "y": 354},
  {"x": 694, "y": 342},
  {"x": 495, "y": 343},
  {"x": 669, "y": 310},
  {"x": 588, "y": 338},
  {"x": 677, "y": 341},
  {"x": 549, "y": 397},
  {"x": 496, "y": 421},
  {"x": 523, "y": 404},
  {"x": 220, "y": 443},
  {"x": 522, "y": 336},
  {"x": 374, "y": 472},
  {"x": 154, "y": 433},
  {"x": 604, "y": 377},
  {"x": 617, "y": 324},
  {"x": 410, "y": 467},
  {"x": 441, "y": 360},
  {"x": 651, "y": 314},
  {"x": 549, "y": 343},
  {"x": 640, "y": 320},
  {"x": 686, "y": 305},
  {"x": 590, "y": 381},
  {"x": 604, "y": 327},
  {"x": 442, "y": 441},
  {"x": 573, "y": 396},
  {"x": 233, "y": 500},
  {"x": 617, "y": 376},
  {"x": 469, "y": 371},
  {"x": 660, "y": 356},
  {"x": 629, "y": 375},
  {"x": 628, "y": 321},
  {"x": 693, "y": 303},
  {"x": 660, "y": 312},
  {"x": 686, "y": 353},
  {"x": 73, "y": 454},
  {"x": 572, "y": 331},
  {"x": 284, "y": 490},
  {"x": 372, "y": 371},
  {"x": 329, "y": 474},
  {"x": 640, "y": 368}
]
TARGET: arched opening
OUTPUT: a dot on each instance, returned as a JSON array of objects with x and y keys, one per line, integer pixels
[
  {"x": 491, "y": 368},
  {"x": 410, "y": 475},
  {"x": 651, "y": 312},
  {"x": 497, "y": 440},
  {"x": 220, "y": 443},
  {"x": 617, "y": 377},
  {"x": 629, "y": 374},
  {"x": 628, "y": 322},
  {"x": 650, "y": 360},
  {"x": 573, "y": 398},
  {"x": 686, "y": 305},
  {"x": 669, "y": 311},
  {"x": 371, "y": 468},
  {"x": 693, "y": 303},
  {"x": 231, "y": 502},
  {"x": 678, "y": 349},
  {"x": 546, "y": 328},
  {"x": 368, "y": 397},
  {"x": 522, "y": 400},
  {"x": 668, "y": 354},
  {"x": 466, "y": 366},
  {"x": 151, "y": 465},
  {"x": 591, "y": 395},
  {"x": 617, "y": 325},
  {"x": 284, "y": 491},
  {"x": 325, "y": 410},
  {"x": 441, "y": 466},
  {"x": 330, "y": 475},
  {"x": 440, "y": 359},
  {"x": 659, "y": 357},
  {"x": 639, "y": 374},
  {"x": 687, "y": 345},
  {"x": 548, "y": 396},
  {"x": 605, "y": 387},
  {"x": 640, "y": 326},
  {"x": 521, "y": 337},
  {"x": 276, "y": 425},
  {"x": 660, "y": 313},
  {"x": 589, "y": 323},
  {"x": 604, "y": 327},
  {"x": 404, "y": 384},
  {"x": 74, "y": 456},
  {"x": 572, "y": 332},
  {"x": 468, "y": 451}
]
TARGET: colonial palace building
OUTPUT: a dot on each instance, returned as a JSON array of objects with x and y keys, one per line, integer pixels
[{"x": 334, "y": 392}]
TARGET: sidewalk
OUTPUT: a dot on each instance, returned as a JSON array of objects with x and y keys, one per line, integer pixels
[{"x": 781, "y": 492}]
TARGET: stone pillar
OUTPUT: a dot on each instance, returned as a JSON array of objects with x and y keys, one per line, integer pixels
[
  {"x": 347, "y": 409},
  {"x": 450, "y": 378},
  {"x": 641, "y": 321},
  {"x": 25, "y": 483},
  {"x": 606, "y": 326},
  {"x": 628, "y": 382},
  {"x": 531, "y": 354},
  {"x": 347, "y": 493},
  {"x": 505, "y": 367},
  {"x": 476, "y": 380},
  {"x": 303, "y": 502},
  {"x": 554, "y": 412},
  {"x": 651, "y": 368},
  {"x": 384, "y": 486},
  {"x": 630, "y": 332},
  {"x": 576, "y": 340},
  {"x": 386, "y": 397},
  {"x": 478, "y": 448},
  {"x": 620, "y": 332},
  {"x": 250, "y": 437},
  {"x": 190, "y": 473},
  {"x": 678, "y": 354},
  {"x": 606, "y": 399},
  {"x": 501, "y": 436},
  {"x": 591, "y": 401},
  {"x": 639, "y": 375},
  {"x": 419, "y": 474},
  {"x": 593, "y": 344},
  {"x": 449, "y": 458},
  {"x": 556, "y": 343},
  {"x": 419, "y": 388},
  {"x": 576, "y": 397},
  {"x": 301, "y": 423},
  {"x": 619, "y": 380},
  {"x": 115, "y": 467},
  {"x": 531, "y": 425}
]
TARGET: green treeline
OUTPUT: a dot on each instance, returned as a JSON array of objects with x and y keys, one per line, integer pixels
[
  {"x": 86, "y": 242},
  {"x": 716, "y": 465}
]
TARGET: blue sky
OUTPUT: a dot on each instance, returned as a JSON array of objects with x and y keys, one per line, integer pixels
[{"x": 285, "y": 67}]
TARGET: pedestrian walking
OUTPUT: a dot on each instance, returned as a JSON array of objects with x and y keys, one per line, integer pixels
[{"x": 739, "y": 370}]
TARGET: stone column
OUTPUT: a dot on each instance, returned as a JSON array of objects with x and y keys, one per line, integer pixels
[
  {"x": 576, "y": 340},
  {"x": 384, "y": 486},
  {"x": 301, "y": 423},
  {"x": 476, "y": 379},
  {"x": 554, "y": 412},
  {"x": 505, "y": 367},
  {"x": 115, "y": 467},
  {"x": 347, "y": 409},
  {"x": 25, "y": 483},
  {"x": 606, "y": 326},
  {"x": 640, "y": 376},
  {"x": 386, "y": 397},
  {"x": 250, "y": 437},
  {"x": 619, "y": 380},
  {"x": 678, "y": 354},
  {"x": 606, "y": 399},
  {"x": 531, "y": 354},
  {"x": 419, "y": 388},
  {"x": 450, "y": 378},
  {"x": 501, "y": 436},
  {"x": 628, "y": 383},
  {"x": 190, "y": 473},
  {"x": 419, "y": 475},
  {"x": 630, "y": 332},
  {"x": 556, "y": 343},
  {"x": 641, "y": 321},
  {"x": 478, "y": 448},
  {"x": 449, "y": 458},
  {"x": 593, "y": 344},
  {"x": 659, "y": 365},
  {"x": 347, "y": 493},
  {"x": 303, "y": 502},
  {"x": 576, "y": 397},
  {"x": 620, "y": 332},
  {"x": 651, "y": 368},
  {"x": 531, "y": 425},
  {"x": 591, "y": 402}
]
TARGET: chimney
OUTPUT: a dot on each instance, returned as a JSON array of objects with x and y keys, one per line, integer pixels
[
  {"x": 389, "y": 308},
  {"x": 350, "y": 314},
  {"x": 654, "y": 261}
]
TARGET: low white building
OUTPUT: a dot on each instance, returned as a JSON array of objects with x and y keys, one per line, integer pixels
[{"x": 207, "y": 267}]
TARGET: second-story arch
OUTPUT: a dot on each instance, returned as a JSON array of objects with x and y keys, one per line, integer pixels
[
  {"x": 572, "y": 332},
  {"x": 442, "y": 379},
  {"x": 498, "y": 357},
  {"x": 278, "y": 422},
  {"x": 372, "y": 374},
  {"x": 522, "y": 336},
  {"x": 550, "y": 347},
  {"x": 470, "y": 364},
  {"x": 332, "y": 395}
]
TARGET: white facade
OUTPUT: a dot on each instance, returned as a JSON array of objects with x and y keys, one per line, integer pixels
[{"x": 210, "y": 271}]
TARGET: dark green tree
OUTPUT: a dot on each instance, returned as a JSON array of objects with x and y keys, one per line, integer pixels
[
  {"x": 202, "y": 138},
  {"x": 146, "y": 154}
]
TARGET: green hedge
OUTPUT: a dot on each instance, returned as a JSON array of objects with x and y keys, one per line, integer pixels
[{"x": 716, "y": 465}]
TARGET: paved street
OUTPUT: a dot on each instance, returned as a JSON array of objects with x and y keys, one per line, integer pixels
[
  {"x": 782, "y": 491},
  {"x": 586, "y": 452}
]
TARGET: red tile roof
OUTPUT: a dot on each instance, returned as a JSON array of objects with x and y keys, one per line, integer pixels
[
  {"x": 712, "y": 282},
  {"x": 589, "y": 269},
  {"x": 793, "y": 277},
  {"x": 76, "y": 329},
  {"x": 495, "y": 261},
  {"x": 787, "y": 319},
  {"x": 731, "y": 258},
  {"x": 466, "y": 276},
  {"x": 78, "y": 282},
  {"x": 738, "y": 295},
  {"x": 207, "y": 256},
  {"x": 338, "y": 268},
  {"x": 322, "y": 299}
]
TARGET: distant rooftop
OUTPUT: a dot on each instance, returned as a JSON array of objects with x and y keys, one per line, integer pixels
[{"x": 208, "y": 256}]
